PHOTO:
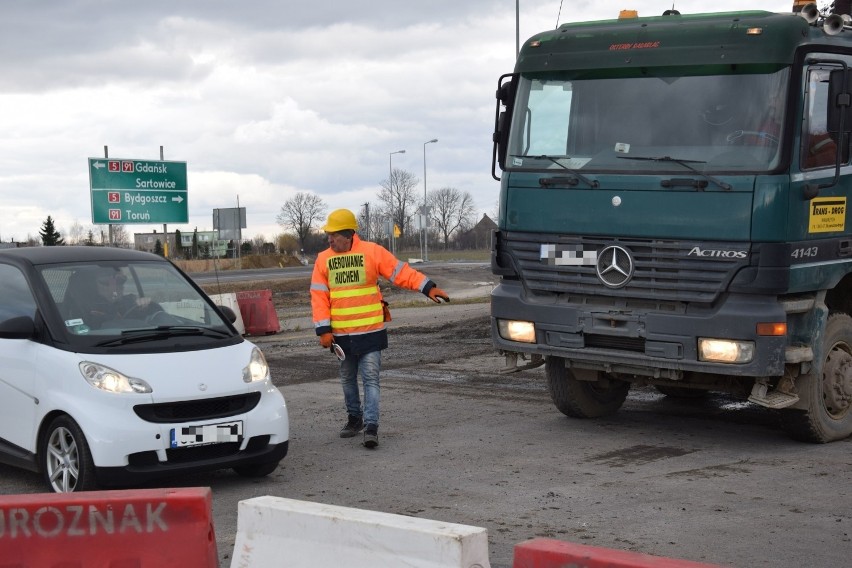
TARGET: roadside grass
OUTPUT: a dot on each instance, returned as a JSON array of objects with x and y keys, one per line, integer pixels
[{"x": 481, "y": 255}]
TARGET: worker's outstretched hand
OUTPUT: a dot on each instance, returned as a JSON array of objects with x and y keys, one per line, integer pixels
[
  {"x": 326, "y": 339},
  {"x": 436, "y": 295}
]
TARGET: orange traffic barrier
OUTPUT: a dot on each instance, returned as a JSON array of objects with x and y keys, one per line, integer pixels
[
  {"x": 258, "y": 311},
  {"x": 146, "y": 528},
  {"x": 548, "y": 553}
]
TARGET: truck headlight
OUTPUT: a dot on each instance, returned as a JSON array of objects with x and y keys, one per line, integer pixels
[
  {"x": 725, "y": 350},
  {"x": 110, "y": 380},
  {"x": 523, "y": 331},
  {"x": 257, "y": 368}
]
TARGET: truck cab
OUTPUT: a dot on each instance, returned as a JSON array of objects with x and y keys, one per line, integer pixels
[{"x": 673, "y": 212}]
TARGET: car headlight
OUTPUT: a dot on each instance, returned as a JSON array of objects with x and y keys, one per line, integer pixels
[
  {"x": 110, "y": 380},
  {"x": 257, "y": 369}
]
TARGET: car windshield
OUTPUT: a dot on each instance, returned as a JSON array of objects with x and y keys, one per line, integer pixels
[
  {"x": 716, "y": 123},
  {"x": 129, "y": 302}
]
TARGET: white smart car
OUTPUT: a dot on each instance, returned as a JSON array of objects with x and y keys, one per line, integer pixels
[{"x": 116, "y": 369}]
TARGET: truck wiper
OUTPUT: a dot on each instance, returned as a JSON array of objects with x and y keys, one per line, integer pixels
[
  {"x": 584, "y": 179},
  {"x": 684, "y": 163},
  {"x": 581, "y": 177}
]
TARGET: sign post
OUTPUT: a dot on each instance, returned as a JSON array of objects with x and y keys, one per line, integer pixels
[{"x": 125, "y": 191}]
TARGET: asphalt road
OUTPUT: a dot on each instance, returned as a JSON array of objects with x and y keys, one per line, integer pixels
[{"x": 712, "y": 480}]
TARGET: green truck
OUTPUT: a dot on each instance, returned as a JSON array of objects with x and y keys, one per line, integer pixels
[{"x": 673, "y": 212}]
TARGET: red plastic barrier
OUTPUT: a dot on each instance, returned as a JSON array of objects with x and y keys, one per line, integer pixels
[
  {"x": 147, "y": 528},
  {"x": 547, "y": 553},
  {"x": 258, "y": 312}
]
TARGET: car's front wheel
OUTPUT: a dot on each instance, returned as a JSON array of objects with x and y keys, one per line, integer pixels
[{"x": 65, "y": 460}]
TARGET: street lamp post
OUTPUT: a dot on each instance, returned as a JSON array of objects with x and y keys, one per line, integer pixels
[
  {"x": 390, "y": 188},
  {"x": 390, "y": 166},
  {"x": 425, "y": 210}
]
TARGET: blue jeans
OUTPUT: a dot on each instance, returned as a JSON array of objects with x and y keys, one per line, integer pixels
[{"x": 368, "y": 366}]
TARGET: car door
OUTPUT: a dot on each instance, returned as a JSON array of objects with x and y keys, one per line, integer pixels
[{"x": 19, "y": 396}]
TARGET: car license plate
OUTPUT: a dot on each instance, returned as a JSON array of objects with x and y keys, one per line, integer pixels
[{"x": 186, "y": 436}]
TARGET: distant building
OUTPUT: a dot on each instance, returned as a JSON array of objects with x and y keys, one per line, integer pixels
[
  {"x": 480, "y": 236},
  {"x": 206, "y": 240}
]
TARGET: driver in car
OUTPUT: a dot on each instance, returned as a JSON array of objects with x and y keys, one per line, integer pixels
[{"x": 111, "y": 303}]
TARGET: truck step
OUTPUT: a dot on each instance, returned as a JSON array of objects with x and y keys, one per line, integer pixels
[
  {"x": 798, "y": 305},
  {"x": 771, "y": 399},
  {"x": 798, "y": 354},
  {"x": 512, "y": 365}
]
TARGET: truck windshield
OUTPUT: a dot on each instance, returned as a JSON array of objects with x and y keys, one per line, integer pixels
[{"x": 716, "y": 123}]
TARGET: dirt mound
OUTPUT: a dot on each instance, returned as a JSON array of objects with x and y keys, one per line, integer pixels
[{"x": 245, "y": 262}]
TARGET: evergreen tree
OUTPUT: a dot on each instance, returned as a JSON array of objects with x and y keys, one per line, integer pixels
[
  {"x": 158, "y": 248},
  {"x": 50, "y": 237},
  {"x": 178, "y": 252},
  {"x": 195, "y": 243}
]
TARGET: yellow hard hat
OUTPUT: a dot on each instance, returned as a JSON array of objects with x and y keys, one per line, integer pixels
[{"x": 339, "y": 220}]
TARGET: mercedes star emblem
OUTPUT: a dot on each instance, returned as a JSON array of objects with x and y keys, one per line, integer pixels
[{"x": 614, "y": 267}]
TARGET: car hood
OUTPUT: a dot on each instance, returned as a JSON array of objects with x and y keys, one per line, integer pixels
[{"x": 186, "y": 374}]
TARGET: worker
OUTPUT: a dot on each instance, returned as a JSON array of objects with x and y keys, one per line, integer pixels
[{"x": 349, "y": 313}]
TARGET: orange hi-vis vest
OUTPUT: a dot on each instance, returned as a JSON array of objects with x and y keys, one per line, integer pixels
[{"x": 345, "y": 294}]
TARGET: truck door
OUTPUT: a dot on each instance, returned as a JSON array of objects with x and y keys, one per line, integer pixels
[{"x": 815, "y": 193}]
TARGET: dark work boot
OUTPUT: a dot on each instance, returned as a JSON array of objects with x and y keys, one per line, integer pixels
[
  {"x": 354, "y": 425},
  {"x": 371, "y": 436}
]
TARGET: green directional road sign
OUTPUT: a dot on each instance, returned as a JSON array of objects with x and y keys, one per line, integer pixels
[{"x": 137, "y": 191}]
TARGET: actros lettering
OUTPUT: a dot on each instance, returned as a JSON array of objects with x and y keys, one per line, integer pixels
[
  {"x": 79, "y": 520},
  {"x": 716, "y": 253}
]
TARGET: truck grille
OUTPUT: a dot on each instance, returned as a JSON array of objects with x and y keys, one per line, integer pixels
[{"x": 664, "y": 271}]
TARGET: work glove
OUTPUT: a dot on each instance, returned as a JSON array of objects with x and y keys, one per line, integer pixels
[
  {"x": 326, "y": 339},
  {"x": 436, "y": 295}
]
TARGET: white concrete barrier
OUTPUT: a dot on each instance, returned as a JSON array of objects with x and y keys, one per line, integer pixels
[
  {"x": 277, "y": 532},
  {"x": 230, "y": 300}
]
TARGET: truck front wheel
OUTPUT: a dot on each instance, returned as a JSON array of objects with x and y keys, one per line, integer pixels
[
  {"x": 583, "y": 399},
  {"x": 827, "y": 397}
]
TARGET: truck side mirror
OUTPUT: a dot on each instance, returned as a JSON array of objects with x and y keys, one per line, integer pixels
[
  {"x": 502, "y": 120},
  {"x": 839, "y": 103}
]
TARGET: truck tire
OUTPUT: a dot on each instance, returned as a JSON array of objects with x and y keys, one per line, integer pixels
[
  {"x": 583, "y": 399},
  {"x": 827, "y": 396}
]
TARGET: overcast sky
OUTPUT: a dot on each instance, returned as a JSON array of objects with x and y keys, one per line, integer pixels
[{"x": 261, "y": 98}]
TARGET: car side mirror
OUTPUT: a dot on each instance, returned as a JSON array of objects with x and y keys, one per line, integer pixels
[
  {"x": 20, "y": 327},
  {"x": 229, "y": 314}
]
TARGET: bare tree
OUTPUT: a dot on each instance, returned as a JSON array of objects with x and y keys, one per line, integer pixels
[
  {"x": 370, "y": 222},
  {"x": 399, "y": 198},
  {"x": 451, "y": 210},
  {"x": 76, "y": 234},
  {"x": 301, "y": 213},
  {"x": 120, "y": 237}
]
